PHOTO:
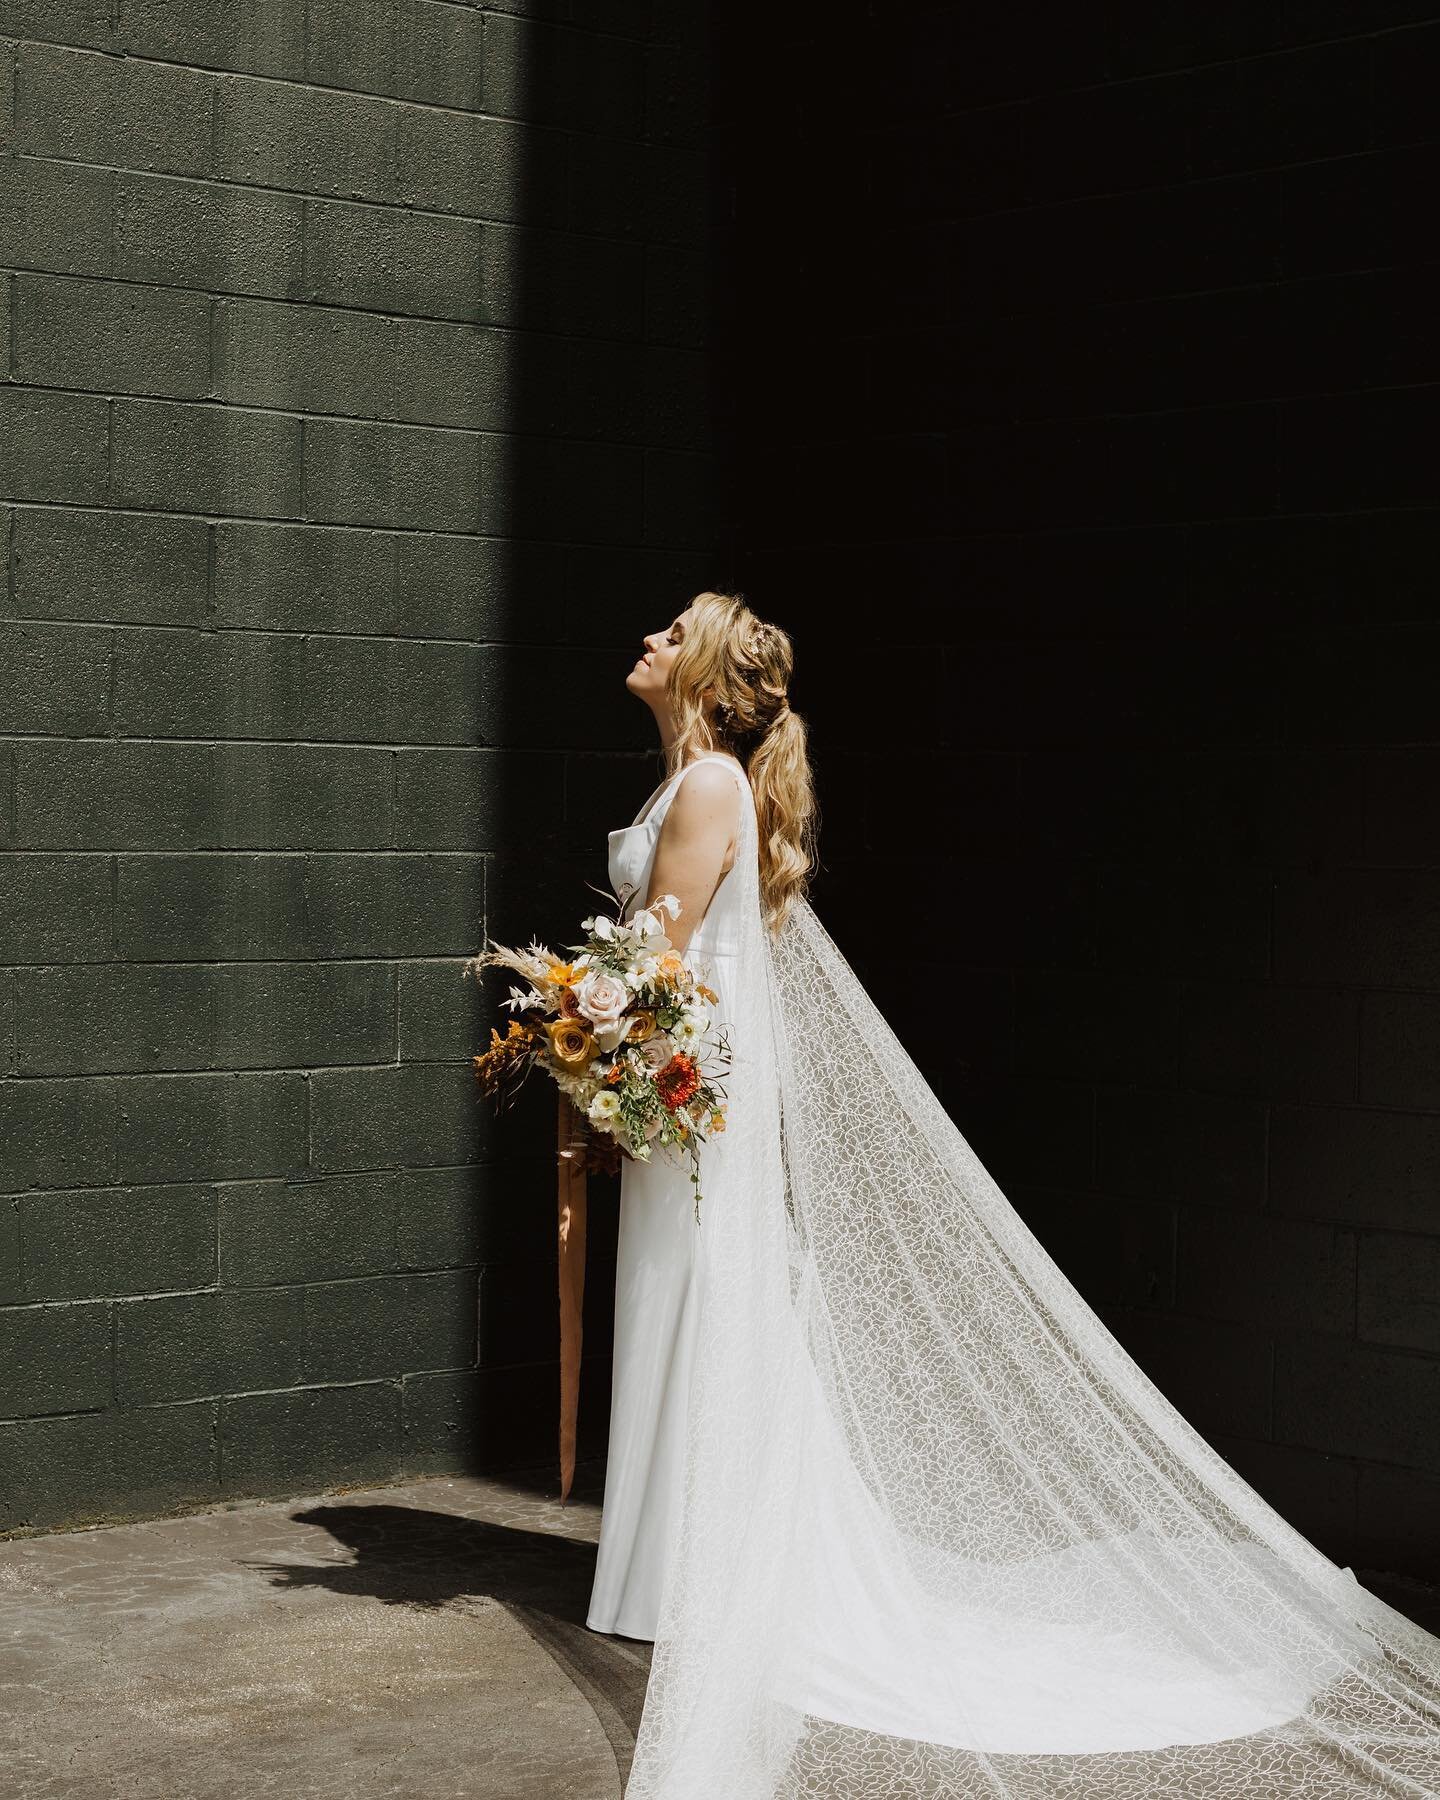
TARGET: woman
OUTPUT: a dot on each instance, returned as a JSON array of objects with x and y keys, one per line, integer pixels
[
  {"x": 715, "y": 681},
  {"x": 900, "y": 1514}
]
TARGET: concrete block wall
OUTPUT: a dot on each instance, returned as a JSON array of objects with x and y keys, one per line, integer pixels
[
  {"x": 1086, "y": 375},
  {"x": 354, "y": 418}
]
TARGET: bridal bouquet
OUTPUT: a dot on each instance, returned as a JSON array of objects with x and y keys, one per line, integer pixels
[{"x": 623, "y": 1028}]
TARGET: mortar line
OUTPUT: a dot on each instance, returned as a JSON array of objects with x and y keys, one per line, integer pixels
[
  {"x": 215, "y": 73},
  {"x": 696, "y": 247},
  {"x": 1276, "y": 405},
  {"x": 293, "y": 521},
  {"x": 523, "y": 227},
  {"x": 366, "y": 421},
  {"x": 693, "y": 246},
  {"x": 289, "y": 523}
]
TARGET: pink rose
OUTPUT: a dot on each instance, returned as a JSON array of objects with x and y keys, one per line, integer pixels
[
  {"x": 657, "y": 1049},
  {"x": 601, "y": 997}
]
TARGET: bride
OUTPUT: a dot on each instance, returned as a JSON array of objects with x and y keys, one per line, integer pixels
[{"x": 900, "y": 1515}]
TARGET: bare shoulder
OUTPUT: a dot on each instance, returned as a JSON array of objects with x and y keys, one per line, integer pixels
[
  {"x": 708, "y": 792},
  {"x": 711, "y": 780}
]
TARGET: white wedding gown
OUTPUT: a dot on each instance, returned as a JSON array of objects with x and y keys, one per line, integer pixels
[
  {"x": 901, "y": 1515},
  {"x": 657, "y": 1287}
]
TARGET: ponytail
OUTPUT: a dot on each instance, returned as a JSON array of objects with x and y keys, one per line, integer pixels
[
  {"x": 785, "y": 812},
  {"x": 746, "y": 663}
]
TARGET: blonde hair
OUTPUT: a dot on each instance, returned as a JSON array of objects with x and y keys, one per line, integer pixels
[{"x": 747, "y": 664}]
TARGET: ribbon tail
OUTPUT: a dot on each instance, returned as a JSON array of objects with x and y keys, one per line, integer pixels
[{"x": 571, "y": 1207}]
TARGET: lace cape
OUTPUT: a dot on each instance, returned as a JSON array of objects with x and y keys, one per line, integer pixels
[{"x": 940, "y": 1536}]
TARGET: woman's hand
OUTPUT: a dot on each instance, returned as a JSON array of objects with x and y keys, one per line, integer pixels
[{"x": 695, "y": 846}]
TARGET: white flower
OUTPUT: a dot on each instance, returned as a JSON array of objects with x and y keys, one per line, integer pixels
[
  {"x": 578, "y": 1088},
  {"x": 686, "y": 1033},
  {"x": 668, "y": 903},
  {"x": 601, "y": 997},
  {"x": 649, "y": 932},
  {"x": 605, "y": 1106},
  {"x": 607, "y": 1037}
]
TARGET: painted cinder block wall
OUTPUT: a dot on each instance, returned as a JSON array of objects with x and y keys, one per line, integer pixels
[
  {"x": 1091, "y": 415},
  {"x": 354, "y": 410}
]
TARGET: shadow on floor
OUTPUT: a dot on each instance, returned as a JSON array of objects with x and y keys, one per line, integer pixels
[{"x": 425, "y": 1637}]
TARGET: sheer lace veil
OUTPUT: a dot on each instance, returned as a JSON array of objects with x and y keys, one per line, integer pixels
[{"x": 940, "y": 1536}]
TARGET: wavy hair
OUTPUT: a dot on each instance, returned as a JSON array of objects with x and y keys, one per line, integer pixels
[{"x": 747, "y": 663}]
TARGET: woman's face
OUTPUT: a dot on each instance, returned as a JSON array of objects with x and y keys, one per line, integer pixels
[{"x": 651, "y": 674}]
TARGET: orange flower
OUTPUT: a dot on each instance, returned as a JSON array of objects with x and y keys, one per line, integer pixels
[
  {"x": 560, "y": 974},
  {"x": 677, "y": 1081},
  {"x": 493, "y": 1064},
  {"x": 616, "y": 1075},
  {"x": 706, "y": 993},
  {"x": 642, "y": 1026}
]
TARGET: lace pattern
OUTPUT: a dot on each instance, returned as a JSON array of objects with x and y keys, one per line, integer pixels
[{"x": 940, "y": 1536}]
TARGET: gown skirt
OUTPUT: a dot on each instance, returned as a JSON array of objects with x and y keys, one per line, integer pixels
[
  {"x": 659, "y": 1267},
  {"x": 657, "y": 1299}
]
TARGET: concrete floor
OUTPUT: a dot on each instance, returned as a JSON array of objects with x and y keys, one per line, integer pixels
[{"x": 422, "y": 1639}]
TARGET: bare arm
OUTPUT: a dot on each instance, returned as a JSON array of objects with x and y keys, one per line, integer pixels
[{"x": 694, "y": 846}]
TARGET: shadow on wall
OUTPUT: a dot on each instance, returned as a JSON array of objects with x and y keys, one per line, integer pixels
[
  {"x": 602, "y": 492},
  {"x": 1078, "y": 412}
]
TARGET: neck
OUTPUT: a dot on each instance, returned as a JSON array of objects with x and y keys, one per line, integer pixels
[
  {"x": 665, "y": 719},
  {"x": 669, "y": 732}
]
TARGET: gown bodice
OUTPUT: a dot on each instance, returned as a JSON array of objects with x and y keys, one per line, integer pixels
[{"x": 632, "y": 854}]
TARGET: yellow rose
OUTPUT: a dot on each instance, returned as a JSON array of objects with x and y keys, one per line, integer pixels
[
  {"x": 642, "y": 1026},
  {"x": 570, "y": 1042}
]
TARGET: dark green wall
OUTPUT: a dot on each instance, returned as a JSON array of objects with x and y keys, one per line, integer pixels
[
  {"x": 354, "y": 415},
  {"x": 1101, "y": 499}
]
